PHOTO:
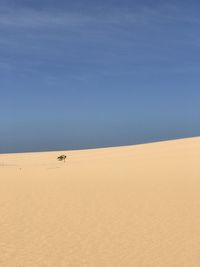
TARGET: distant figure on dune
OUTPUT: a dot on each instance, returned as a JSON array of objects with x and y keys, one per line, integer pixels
[{"x": 62, "y": 158}]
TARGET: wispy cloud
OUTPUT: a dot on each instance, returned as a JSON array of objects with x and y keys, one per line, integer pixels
[
  {"x": 107, "y": 38},
  {"x": 27, "y": 18},
  {"x": 48, "y": 18}
]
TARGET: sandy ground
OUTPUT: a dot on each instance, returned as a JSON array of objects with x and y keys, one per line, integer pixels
[{"x": 126, "y": 206}]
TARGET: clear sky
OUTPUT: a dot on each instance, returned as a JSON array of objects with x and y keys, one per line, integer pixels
[{"x": 81, "y": 74}]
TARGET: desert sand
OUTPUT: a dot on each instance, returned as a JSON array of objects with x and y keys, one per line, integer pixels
[{"x": 124, "y": 206}]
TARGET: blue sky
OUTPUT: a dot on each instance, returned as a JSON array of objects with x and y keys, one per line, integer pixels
[{"x": 81, "y": 74}]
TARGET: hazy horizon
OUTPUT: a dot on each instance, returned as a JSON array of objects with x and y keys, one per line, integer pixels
[{"x": 88, "y": 74}]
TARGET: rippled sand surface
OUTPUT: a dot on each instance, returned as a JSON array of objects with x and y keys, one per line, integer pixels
[{"x": 126, "y": 206}]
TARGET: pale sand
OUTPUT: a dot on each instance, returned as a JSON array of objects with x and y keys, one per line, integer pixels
[{"x": 125, "y": 206}]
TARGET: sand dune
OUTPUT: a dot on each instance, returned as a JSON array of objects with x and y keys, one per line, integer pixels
[{"x": 125, "y": 206}]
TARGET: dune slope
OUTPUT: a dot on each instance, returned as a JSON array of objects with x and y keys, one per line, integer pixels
[{"x": 124, "y": 206}]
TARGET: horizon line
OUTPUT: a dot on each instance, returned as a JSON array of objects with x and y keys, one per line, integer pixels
[{"x": 103, "y": 147}]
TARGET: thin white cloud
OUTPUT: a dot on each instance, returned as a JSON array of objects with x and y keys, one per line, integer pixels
[
  {"x": 26, "y": 18},
  {"x": 40, "y": 36},
  {"x": 36, "y": 19},
  {"x": 30, "y": 18}
]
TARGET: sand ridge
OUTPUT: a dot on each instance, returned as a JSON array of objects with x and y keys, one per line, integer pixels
[{"x": 124, "y": 206}]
